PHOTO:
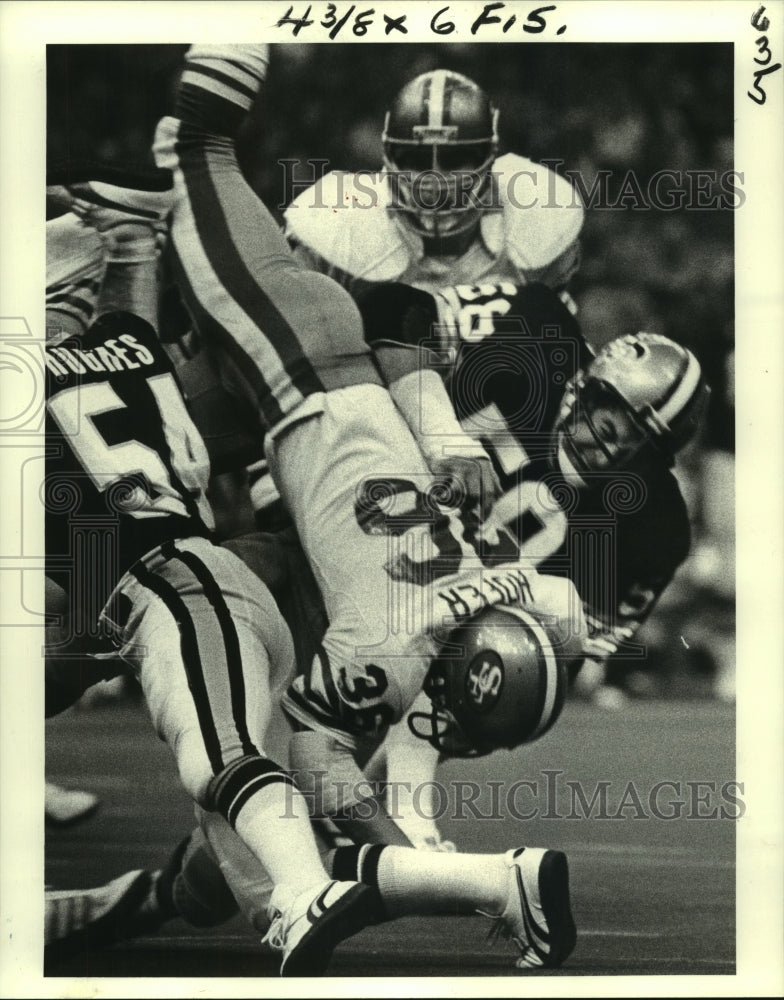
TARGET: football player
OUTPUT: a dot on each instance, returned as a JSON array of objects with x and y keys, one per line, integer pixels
[
  {"x": 344, "y": 451},
  {"x": 613, "y": 522},
  {"x": 128, "y": 531},
  {"x": 445, "y": 209},
  {"x": 586, "y": 474}
]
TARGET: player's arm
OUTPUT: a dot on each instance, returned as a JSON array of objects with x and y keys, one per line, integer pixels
[
  {"x": 651, "y": 555},
  {"x": 399, "y": 321}
]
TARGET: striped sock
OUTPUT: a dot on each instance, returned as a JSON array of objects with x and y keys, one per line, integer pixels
[{"x": 219, "y": 84}]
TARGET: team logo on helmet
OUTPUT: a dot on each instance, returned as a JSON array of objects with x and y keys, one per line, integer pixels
[
  {"x": 499, "y": 683},
  {"x": 484, "y": 681}
]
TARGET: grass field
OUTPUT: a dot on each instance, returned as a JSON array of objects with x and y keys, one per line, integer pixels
[{"x": 651, "y": 895}]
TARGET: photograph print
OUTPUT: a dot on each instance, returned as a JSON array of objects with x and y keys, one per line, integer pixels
[{"x": 385, "y": 481}]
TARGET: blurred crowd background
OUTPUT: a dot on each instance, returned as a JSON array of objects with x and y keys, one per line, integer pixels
[{"x": 632, "y": 107}]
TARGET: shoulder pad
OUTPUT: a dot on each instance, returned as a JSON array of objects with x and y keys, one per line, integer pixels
[
  {"x": 542, "y": 211},
  {"x": 343, "y": 219}
]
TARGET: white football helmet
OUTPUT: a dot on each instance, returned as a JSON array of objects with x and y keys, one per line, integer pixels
[
  {"x": 440, "y": 140},
  {"x": 638, "y": 402}
]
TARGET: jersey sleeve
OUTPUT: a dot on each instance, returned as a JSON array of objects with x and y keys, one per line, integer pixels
[
  {"x": 543, "y": 217},
  {"x": 340, "y": 226},
  {"x": 651, "y": 545}
]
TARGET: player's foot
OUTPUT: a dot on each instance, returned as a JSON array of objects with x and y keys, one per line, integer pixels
[
  {"x": 80, "y": 921},
  {"x": 125, "y": 206},
  {"x": 92, "y": 185},
  {"x": 538, "y": 915},
  {"x": 65, "y": 806},
  {"x": 307, "y": 927}
]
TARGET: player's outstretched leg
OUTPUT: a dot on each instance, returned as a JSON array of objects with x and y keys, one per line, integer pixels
[{"x": 525, "y": 891}]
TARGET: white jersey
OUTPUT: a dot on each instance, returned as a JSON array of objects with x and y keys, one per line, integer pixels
[{"x": 346, "y": 226}]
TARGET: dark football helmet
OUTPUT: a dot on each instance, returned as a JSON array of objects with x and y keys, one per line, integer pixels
[
  {"x": 440, "y": 139},
  {"x": 498, "y": 683},
  {"x": 638, "y": 402}
]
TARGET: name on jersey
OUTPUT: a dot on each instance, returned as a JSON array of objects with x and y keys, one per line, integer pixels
[
  {"x": 118, "y": 354},
  {"x": 468, "y": 596}
]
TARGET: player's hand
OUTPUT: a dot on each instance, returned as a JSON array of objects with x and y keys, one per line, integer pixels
[{"x": 468, "y": 482}]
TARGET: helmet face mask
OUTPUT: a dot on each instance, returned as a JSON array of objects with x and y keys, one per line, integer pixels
[
  {"x": 601, "y": 433},
  {"x": 638, "y": 402},
  {"x": 440, "y": 140},
  {"x": 443, "y": 732}
]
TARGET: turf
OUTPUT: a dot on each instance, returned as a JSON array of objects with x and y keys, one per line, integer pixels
[{"x": 651, "y": 895}]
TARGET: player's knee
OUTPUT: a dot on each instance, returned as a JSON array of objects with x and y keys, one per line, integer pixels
[{"x": 193, "y": 766}]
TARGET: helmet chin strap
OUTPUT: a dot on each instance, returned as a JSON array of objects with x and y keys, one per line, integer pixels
[{"x": 437, "y": 737}]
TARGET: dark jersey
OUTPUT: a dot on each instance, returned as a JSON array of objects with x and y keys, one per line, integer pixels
[
  {"x": 126, "y": 469},
  {"x": 511, "y": 353}
]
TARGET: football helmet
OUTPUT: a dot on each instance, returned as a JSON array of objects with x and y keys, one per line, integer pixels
[
  {"x": 498, "y": 683},
  {"x": 440, "y": 140},
  {"x": 637, "y": 403}
]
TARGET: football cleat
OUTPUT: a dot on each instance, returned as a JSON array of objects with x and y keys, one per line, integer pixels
[
  {"x": 537, "y": 915},
  {"x": 307, "y": 927},
  {"x": 79, "y": 921},
  {"x": 124, "y": 205},
  {"x": 64, "y": 806}
]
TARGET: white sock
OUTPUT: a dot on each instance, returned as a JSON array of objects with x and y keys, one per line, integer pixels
[
  {"x": 275, "y": 824},
  {"x": 412, "y": 881}
]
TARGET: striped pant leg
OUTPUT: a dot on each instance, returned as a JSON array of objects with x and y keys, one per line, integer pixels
[
  {"x": 280, "y": 333},
  {"x": 213, "y": 656},
  {"x": 271, "y": 320}
]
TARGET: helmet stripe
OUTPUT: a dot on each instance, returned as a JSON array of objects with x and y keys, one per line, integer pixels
[
  {"x": 449, "y": 89},
  {"x": 436, "y": 100},
  {"x": 685, "y": 390},
  {"x": 550, "y": 668}
]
